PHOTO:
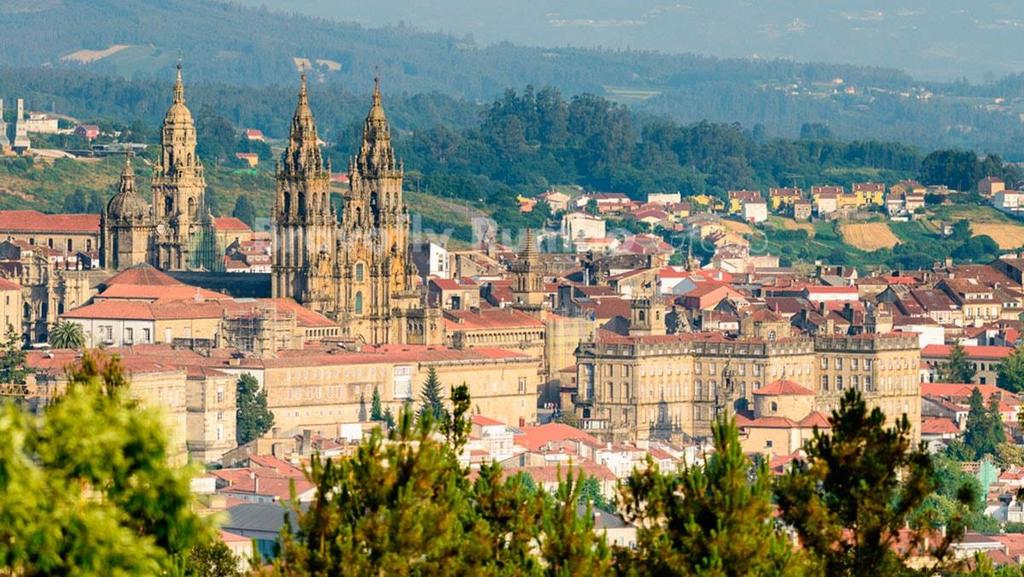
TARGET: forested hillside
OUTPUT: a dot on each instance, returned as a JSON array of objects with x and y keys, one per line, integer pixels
[{"x": 230, "y": 45}]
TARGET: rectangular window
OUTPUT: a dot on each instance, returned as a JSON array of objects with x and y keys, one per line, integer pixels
[
  {"x": 129, "y": 335},
  {"x": 853, "y": 363},
  {"x": 146, "y": 336},
  {"x": 401, "y": 382},
  {"x": 768, "y": 444},
  {"x": 824, "y": 363},
  {"x": 839, "y": 363}
]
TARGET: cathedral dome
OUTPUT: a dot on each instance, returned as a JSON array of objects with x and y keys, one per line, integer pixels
[{"x": 127, "y": 204}]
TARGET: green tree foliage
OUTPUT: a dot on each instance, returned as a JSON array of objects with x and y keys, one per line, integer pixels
[
  {"x": 67, "y": 335},
  {"x": 432, "y": 398},
  {"x": 958, "y": 368},
  {"x": 958, "y": 499},
  {"x": 86, "y": 487},
  {"x": 1010, "y": 374},
  {"x": 244, "y": 211},
  {"x": 253, "y": 417},
  {"x": 211, "y": 559},
  {"x": 406, "y": 507},
  {"x": 984, "y": 432},
  {"x": 376, "y": 412},
  {"x": 709, "y": 520},
  {"x": 856, "y": 491},
  {"x": 962, "y": 169},
  {"x": 12, "y": 359}
]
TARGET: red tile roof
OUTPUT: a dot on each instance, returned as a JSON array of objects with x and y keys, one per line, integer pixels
[
  {"x": 142, "y": 275},
  {"x": 783, "y": 388},
  {"x": 534, "y": 438},
  {"x": 489, "y": 319},
  {"x": 6, "y": 285},
  {"x": 35, "y": 221},
  {"x": 973, "y": 352},
  {"x": 230, "y": 223},
  {"x": 939, "y": 426},
  {"x": 815, "y": 419}
]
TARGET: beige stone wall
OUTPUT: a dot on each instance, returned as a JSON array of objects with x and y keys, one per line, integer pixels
[
  {"x": 10, "y": 311},
  {"x": 210, "y": 405},
  {"x": 71, "y": 242},
  {"x": 185, "y": 329},
  {"x": 322, "y": 397},
  {"x": 166, "y": 392},
  {"x": 794, "y": 407}
]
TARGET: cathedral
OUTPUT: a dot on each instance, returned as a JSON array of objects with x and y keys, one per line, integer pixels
[
  {"x": 355, "y": 269},
  {"x": 175, "y": 232}
]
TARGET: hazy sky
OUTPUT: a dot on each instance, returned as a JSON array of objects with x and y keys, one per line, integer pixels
[{"x": 933, "y": 39}]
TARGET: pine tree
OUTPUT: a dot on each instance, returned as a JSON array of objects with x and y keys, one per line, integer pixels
[
  {"x": 851, "y": 500},
  {"x": 12, "y": 360},
  {"x": 1010, "y": 374},
  {"x": 376, "y": 412},
  {"x": 253, "y": 417},
  {"x": 984, "y": 431},
  {"x": 713, "y": 519},
  {"x": 389, "y": 418},
  {"x": 958, "y": 368},
  {"x": 431, "y": 398},
  {"x": 87, "y": 489}
]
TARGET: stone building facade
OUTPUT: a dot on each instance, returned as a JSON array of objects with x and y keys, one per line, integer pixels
[
  {"x": 356, "y": 271},
  {"x": 658, "y": 386}
]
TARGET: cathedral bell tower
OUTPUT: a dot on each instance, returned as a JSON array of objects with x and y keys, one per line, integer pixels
[
  {"x": 374, "y": 257},
  {"x": 183, "y": 223},
  {"x": 527, "y": 277},
  {"x": 125, "y": 225},
  {"x": 305, "y": 222}
]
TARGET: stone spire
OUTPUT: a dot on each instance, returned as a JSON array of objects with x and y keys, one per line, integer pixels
[
  {"x": 179, "y": 87},
  {"x": 376, "y": 157},
  {"x": 303, "y": 154},
  {"x": 529, "y": 254},
  {"x": 127, "y": 203}
]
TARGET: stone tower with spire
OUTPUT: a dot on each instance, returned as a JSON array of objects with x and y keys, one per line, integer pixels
[
  {"x": 528, "y": 277},
  {"x": 126, "y": 225},
  {"x": 183, "y": 224},
  {"x": 304, "y": 263},
  {"x": 376, "y": 273},
  {"x": 358, "y": 270}
]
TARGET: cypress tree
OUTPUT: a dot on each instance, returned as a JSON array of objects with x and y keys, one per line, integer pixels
[
  {"x": 432, "y": 398},
  {"x": 376, "y": 412}
]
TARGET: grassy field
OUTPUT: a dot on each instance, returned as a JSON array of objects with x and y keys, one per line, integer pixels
[
  {"x": 790, "y": 224},
  {"x": 1006, "y": 235},
  {"x": 868, "y": 235}
]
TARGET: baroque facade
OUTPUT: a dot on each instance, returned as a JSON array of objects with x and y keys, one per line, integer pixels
[
  {"x": 660, "y": 386},
  {"x": 176, "y": 231},
  {"x": 356, "y": 269}
]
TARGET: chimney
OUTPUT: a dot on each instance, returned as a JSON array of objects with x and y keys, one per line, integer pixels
[{"x": 307, "y": 441}]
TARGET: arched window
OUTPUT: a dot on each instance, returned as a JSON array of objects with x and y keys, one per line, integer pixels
[
  {"x": 775, "y": 407},
  {"x": 359, "y": 303},
  {"x": 359, "y": 272},
  {"x": 192, "y": 207},
  {"x": 168, "y": 205}
]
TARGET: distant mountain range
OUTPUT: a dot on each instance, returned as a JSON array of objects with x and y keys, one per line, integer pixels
[
  {"x": 934, "y": 39},
  {"x": 230, "y": 45}
]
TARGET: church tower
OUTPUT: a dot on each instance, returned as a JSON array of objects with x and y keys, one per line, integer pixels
[
  {"x": 126, "y": 227},
  {"x": 305, "y": 223},
  {"x": 374, "y": 267},
  {"x": 183, "y": 224},
  {"x": 647, "y": 315},
  {"x": 528, "y": 279}
]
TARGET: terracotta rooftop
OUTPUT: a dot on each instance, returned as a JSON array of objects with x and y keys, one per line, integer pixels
[
  {"x": 142, "y": 274},
  {"x": 534, "y": 438},
  {"x": 489, "y": 319},
  {"x": 783, "y": 388},
  {"x": 973, "y": 352},
  {"x": 230, "y": 223},
  {"x": 35, "y": 221}
]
